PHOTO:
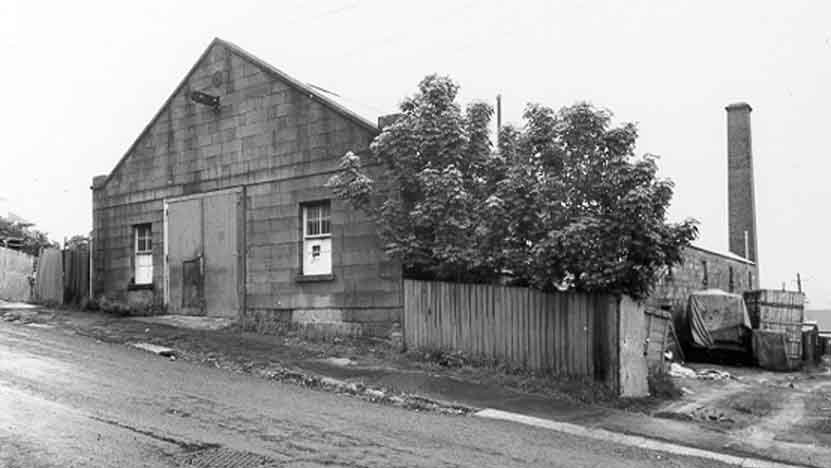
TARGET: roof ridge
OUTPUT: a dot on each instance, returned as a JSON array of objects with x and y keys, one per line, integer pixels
[
  {"x": 305, "y": 87},
  {"x": 311, "y": 93}
]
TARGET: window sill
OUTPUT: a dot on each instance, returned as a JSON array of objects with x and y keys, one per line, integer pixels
[
  {"x": 314, "y": 278},
  {"x": 140, "y": 287}
]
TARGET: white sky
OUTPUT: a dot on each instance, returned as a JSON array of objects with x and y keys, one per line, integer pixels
[{"x": 81, "y": 79}]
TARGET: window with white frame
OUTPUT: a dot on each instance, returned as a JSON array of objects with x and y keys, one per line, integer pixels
[
  {"x": 317, "y": 239},
  {"x": 143, "y": 235}
]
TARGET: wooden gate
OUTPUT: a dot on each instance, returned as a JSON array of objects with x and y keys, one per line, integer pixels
[{"x": 203, "y": 265}]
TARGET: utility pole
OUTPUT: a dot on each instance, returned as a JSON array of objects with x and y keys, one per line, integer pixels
[{"x": 798, "y": 282}]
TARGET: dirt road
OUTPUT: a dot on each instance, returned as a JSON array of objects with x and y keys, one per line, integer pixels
[{"x": 67, "y": 400}]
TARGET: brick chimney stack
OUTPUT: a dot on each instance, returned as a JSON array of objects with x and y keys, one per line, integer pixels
[{"x": 741, "y": 197}]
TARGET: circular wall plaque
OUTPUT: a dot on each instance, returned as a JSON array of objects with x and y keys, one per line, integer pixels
[{"x": 217, "y": 79}]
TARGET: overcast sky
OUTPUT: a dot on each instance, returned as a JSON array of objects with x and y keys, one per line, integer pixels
[{"x": 81, "y": 79}]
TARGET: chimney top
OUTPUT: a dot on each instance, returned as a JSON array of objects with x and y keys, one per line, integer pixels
[
  {"x": 387, "y": 120},
  {"x": 738, "y": 106},
  {"x": 98, "y": 181}
]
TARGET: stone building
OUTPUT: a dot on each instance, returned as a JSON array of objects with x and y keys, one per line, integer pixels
[
  {"x": 219, "y": 208},
  {"x": 736, "y": 271}
]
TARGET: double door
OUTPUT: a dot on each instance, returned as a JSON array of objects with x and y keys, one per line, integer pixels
[{"x": 203, "y": 261}]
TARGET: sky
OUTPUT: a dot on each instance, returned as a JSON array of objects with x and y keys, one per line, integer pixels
[{"x": 81, "y": 79}]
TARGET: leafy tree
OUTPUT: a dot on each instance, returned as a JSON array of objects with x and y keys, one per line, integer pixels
[
  {"x": 595, "y": 218},
  {"x": 434, "y": 162},
  {"x": 562, "y": 202},
  {"x": 78, "y": 241},
  {"x": 23, "y": 237}
]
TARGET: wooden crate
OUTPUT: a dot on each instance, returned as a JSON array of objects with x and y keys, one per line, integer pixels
[{"x": 779, "y": 311}]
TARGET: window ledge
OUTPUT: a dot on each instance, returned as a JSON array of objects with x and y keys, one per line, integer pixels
[
  {"x": 139, "y": 287},
  {"x": 314, "y": 278}
]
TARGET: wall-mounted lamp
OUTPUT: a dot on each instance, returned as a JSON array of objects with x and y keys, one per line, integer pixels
[{"x": 205, "y": 99}]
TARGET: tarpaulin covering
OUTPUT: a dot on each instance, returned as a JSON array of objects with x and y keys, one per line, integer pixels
[
  {"x": 769, "y": 349},
  {"x": 716, "y": 318}
]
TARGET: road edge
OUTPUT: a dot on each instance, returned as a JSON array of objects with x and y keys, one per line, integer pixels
[{"x": 629, "y": 440}]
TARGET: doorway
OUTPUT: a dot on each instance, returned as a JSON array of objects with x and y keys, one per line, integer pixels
[{"x": 203, "y": 262}]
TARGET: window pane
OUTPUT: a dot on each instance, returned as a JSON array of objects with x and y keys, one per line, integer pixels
[
  {"x": 144, "y": 238},
  {"x": 312, "y": 227},
  {"x": 317, "y": 219},
  {"x": 325, "y": 227}
]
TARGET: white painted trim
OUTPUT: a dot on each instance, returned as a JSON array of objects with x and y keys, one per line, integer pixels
[
  {"x": 166, "y": 267},
  {"x": 628, "y": 440}
]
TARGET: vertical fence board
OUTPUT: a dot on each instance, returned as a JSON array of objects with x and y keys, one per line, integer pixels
[
  {"x": 590, "y": 338},
  {"x": 569, "y": 327},
  {"x": 530, "y": 311},
  {"x": 581, "y": 333},
  {"x": 559, "y": 333},
  {"x": 508, "y": 324},
  {"x": 523, "y": 328}
]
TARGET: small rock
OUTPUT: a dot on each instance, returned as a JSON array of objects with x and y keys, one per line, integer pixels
[
  {"x": 351, "y": 388},
  {"x": 156, "y": 349},
  {"x": 330, "y": 382},
  {"x": 372, "y": 393},
  {"x": 341, "y": 362}
]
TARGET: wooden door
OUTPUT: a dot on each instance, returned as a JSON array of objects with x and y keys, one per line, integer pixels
[
  {"x": 185, "y": 259},
  {"x": 203, "y": 260},
  {"x": 221, "y": 240},
  {"x": 632, "y": 361}
]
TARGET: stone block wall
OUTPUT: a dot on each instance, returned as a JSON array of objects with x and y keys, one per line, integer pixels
[
  {"x": 703, "y": 269},
  {"x": 280, "y": 142}
]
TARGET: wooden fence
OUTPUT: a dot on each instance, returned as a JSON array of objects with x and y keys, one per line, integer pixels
[
  {"x": 62, "y": 276},
  {"x": 49, "y": 281},
  {"x": 659, "y": 336},
  {"x": 16, "y": 268},
  {"x": 568, "y": 334},
  {"x": 75, "y": 275}
]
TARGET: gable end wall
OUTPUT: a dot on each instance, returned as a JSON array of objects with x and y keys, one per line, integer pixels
[{"x": 281, "y": 146}]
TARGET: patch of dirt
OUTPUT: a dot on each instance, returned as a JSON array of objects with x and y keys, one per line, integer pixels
[
  {"x": 757, "y": 402},
  {"x": 813, "y": 424}
]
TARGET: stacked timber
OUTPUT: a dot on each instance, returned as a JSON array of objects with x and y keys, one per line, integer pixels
[{"x": 782, "y": 312}]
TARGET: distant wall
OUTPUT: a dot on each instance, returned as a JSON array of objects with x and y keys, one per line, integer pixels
[
  {"x": 703, "y": 269},
  {"x": 15, "y": 270}
]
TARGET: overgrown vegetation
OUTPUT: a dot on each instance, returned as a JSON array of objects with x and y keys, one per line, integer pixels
[
  {"x": 562, "y": 203},
  {"x": 21, "y": 236}
]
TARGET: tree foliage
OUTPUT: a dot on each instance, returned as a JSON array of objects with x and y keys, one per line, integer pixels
[
  {"x": 561, "y": 203},
  {"x": 22, "y": 237}
]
